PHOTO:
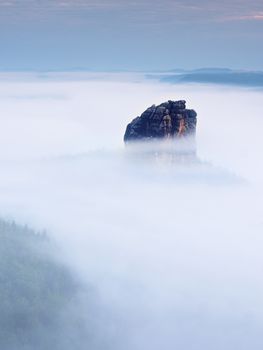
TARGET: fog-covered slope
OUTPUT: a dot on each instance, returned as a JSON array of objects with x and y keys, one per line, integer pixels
[{"x": 39, "y": 303}]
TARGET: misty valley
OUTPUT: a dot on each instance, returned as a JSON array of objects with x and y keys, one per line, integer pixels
[{"x": 107, "y": 246}]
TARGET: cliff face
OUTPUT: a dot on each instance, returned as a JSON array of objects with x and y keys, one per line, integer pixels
[{"x": 170, "y": 119}]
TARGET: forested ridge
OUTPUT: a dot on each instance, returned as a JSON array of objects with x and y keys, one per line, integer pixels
[{"x": 38, "y": 294}]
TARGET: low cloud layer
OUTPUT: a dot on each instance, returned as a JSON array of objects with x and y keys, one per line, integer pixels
[{"x": 173, "y": 249}]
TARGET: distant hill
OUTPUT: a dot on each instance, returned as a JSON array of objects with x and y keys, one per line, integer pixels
[
  {"x": 221, "y": 76},
  {"x": 210, "y": 70},
  {"x": 39, "y": 298}
]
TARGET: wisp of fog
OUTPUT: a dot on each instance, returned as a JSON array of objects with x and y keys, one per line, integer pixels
[{"x": 173, "y": 249}]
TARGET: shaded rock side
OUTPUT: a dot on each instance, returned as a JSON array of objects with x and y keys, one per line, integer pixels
[{"x": 170, "y": 119}]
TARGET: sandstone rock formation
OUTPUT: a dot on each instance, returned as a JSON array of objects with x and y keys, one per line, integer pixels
[{"x": 169, "y": 120}]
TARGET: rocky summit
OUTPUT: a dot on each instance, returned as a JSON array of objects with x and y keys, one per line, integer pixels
[{"x": 168, "y": 120}]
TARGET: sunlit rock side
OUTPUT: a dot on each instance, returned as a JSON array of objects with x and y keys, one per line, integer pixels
[
  {"x": 169, "y": 126},
  {"x": 169, "y": 120},
  {"x": 162, "y": 142}
]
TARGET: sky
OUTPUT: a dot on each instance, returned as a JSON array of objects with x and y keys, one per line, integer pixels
[{"x": 106, "y": 35}]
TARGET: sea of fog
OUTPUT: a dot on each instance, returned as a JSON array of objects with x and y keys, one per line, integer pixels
[{"x": 173, "y": 249}]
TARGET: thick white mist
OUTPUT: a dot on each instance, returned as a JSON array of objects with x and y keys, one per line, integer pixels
[{"x": 174, "y": 251}]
